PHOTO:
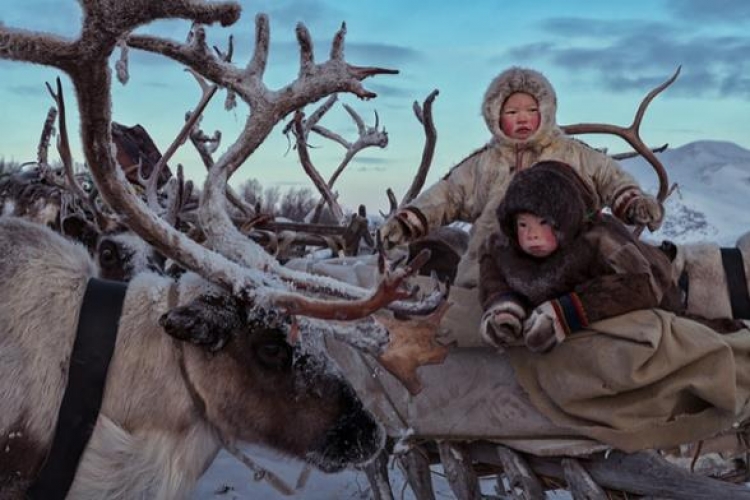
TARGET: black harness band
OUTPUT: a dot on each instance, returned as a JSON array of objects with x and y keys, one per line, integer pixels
[
  {"x": 734, "y": 270},
  {"x": 87, "y": 374}
]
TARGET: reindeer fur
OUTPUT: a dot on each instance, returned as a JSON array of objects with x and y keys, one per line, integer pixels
[
  {"x": 119, "y": 253},
  {"x": 151, "y": 441},
  {"x": 708, "y": 290}
]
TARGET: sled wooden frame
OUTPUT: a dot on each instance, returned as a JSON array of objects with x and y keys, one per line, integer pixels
[{"x": 602, "y": 475}]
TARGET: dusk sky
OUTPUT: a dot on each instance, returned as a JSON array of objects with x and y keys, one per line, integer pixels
[{"x": 602, "y": 58}]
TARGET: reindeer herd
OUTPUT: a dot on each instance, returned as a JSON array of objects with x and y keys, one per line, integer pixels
[{"x": 229, "y": 349}]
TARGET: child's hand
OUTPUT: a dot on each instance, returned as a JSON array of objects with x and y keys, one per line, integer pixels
[{"x": 542, "y": 330}]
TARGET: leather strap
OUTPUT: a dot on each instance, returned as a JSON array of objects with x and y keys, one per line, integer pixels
[
  {"x": 87, "y": 374},
  {"x": 734, "y": 269}
]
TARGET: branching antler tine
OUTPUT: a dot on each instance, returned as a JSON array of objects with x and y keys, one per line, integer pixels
[
  {"x": 227, "y": 58},
  {"x": 197, "y": 139},
  {"x": 311, "y": 123},
  {"x": 306, "y": 55},
  {"x": 257, "y": 65},
  {"x": 153, "y": 181},
  {"x": 357, "y": 119},
  {"x": 47, "y": 131},
  {"x": 650, "y": 97},
  {"x": 377, "y": 120},
  {"x": 328, "y": 134},
  {"x": 633, "y": 154},
  {"x": 417, "y": 111},
  {"x": 63, "y": 145},
  {"x": 388, "y": 291},
  {"x": 337, "y": 46},
  {"x": 311, "y": 171},
  {"x": 428, "y": 151},
  {"x": 63, "y": 148},
  {"x": 392, "y": 203},
  {"x": 121, "y": 66},
  {"x": 631, "y": 135},
  {"x": 316, "y": 115},
  {"x": 178, "y": 193}
]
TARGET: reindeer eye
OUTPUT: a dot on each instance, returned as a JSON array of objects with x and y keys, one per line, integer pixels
[
  {"x": 274, "y": 354},
  {"x": 108, "y": 254}
]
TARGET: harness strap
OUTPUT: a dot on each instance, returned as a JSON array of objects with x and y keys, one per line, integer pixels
[
  {"x": 684, "y": 283},
  {"x": 734, "y": 269},
  {"x": 87, "y": 374}
]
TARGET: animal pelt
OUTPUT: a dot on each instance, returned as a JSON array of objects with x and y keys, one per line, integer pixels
[
  {"x": 152, "y": 438},
  {"x": 708, "y": 293},
  {"x": 446, "y": 245}
]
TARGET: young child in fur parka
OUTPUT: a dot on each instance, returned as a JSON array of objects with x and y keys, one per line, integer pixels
[{"x": 558, "y": 264}]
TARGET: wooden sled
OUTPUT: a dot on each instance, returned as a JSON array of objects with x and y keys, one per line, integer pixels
[{"x": 506, "y": 438}]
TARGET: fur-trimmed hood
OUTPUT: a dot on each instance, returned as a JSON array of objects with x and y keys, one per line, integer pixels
[
  {"x": 516, "y": 79},
  {"x": 548, "y": 189}
]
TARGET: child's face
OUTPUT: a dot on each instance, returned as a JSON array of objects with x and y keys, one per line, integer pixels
[
  {"x": 535, "y": 235},
  {"x": 519, "y": 116}
]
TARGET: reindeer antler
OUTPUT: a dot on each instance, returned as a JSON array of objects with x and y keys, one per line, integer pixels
[
  {"x": 424, "y": 115},
  {"x": 631, "y": 134},
  {"x": 233, "y": 261}
]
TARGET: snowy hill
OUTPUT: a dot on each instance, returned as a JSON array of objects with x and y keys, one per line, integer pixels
[{"x": 712, "y": 199}]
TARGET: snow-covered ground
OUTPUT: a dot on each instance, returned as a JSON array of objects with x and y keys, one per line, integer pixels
[{"x": 712, "y": 203}]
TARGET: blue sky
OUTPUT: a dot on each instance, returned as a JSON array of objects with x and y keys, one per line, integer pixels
[{"x": 602, "y": 58}]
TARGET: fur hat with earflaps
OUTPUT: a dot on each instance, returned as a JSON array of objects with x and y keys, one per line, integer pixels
[{"x": 548, "y": 189}]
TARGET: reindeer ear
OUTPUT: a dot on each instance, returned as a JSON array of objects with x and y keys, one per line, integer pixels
[
  {"x": 77, "y": 227},
  {"x": 209, "y": 320}
]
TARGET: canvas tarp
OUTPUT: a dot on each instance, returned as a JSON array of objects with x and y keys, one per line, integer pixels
[{"x": 647, "y": 379}]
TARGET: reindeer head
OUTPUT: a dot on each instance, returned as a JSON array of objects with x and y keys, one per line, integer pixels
[{"x": 296, "y": 400}]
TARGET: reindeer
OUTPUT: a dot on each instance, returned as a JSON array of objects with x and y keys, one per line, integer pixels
[
  {"x": 119, "y": 253},
  {"x": 67, "y": 201},
  {"x": 240, "y": 362}
]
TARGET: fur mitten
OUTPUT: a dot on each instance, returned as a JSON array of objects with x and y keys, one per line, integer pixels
[
  {"x": 501, "y": 324},
  {"x": 646, "y": 210},
  {"x": 635, "y": 207},
  {"x": 552, "y": 321},
  {"x": 405, "y": 225}
]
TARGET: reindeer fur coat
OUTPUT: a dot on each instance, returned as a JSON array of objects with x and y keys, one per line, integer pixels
[
  {"x": 598, "y": 259},
  {"x": 473, "y": 189}
]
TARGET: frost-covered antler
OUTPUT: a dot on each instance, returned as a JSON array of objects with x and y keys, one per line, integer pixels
[
  {"x": 367, "y": 137},
  {"x": 232, "y": 261}
]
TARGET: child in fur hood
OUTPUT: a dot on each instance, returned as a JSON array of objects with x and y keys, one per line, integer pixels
[
  {"x": 559, "y": 264},
  {"x": 519, "y": 108}
]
